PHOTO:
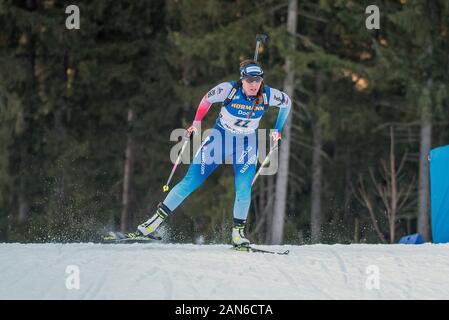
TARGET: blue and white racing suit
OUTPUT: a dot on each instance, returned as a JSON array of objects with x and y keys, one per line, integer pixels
[{"x": 234, "y": 140}]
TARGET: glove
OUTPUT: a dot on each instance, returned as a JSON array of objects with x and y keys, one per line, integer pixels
[
  {"x": 276, "y": 136},
  {"x": 193, "y": 128}
]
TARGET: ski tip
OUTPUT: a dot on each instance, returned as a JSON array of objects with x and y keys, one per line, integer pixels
[
  {"x": 252, "y": 249},
  {"x": 118, "y": 237}
]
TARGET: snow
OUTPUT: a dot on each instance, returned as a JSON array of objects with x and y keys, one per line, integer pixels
[{"x": 188, "y": 271}]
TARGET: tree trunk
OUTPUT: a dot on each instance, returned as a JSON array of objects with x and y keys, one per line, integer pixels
[
  {"x": 424, "y": 150},
  {"x": 423, "y": 183},
  {"x": 316, "y": 215},
  {"x": 262, "y": 193},
  {"x": 262, "y": 203},
  {"x": 348, "y": 190},
  {"x": 60, "y": 183},
  {"x": 394, "y": 188},
  {"x": 356, "y": 230},
  {"x": 270, "y": 192},
  {"x": 277, "y": 231},
  {"x": 23, "y": 208},
  {"x": 127, "y": 176}
]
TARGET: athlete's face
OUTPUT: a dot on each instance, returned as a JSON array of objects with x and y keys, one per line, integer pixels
[{"x": 251, "y": 85}]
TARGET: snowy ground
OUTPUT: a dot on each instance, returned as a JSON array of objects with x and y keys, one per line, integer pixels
[{"x": 187, "y": 271}]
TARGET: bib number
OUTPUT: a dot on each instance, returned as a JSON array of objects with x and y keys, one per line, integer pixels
[{"x": 242, "y": 123}]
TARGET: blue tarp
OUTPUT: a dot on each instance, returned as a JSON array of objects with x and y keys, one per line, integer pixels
[
  {"x": 439, "y": 189},
  {"x": 412, "y": 239}
]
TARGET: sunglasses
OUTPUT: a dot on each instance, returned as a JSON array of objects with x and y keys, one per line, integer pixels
[{"x": 253, "y": 79}]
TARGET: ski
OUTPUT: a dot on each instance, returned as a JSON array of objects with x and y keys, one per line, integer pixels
[
  {"x": 252, "y": 249},
  {"x": 118, "y": 237}
]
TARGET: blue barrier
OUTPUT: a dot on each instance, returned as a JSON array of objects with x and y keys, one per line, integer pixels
[
  {"x": 439, "y": 193},
  {"x": 412, "y": 239}
]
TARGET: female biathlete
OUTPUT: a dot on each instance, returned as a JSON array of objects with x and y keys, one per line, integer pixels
[{"x": 233, "y": 140}]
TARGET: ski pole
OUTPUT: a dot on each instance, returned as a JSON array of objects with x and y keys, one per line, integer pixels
[
  {"x": 165, "y": 188},
  {"x": 265, "y": 161}
]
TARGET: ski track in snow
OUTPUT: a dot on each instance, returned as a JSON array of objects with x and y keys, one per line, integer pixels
[{"x": 188, "y": 271}]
